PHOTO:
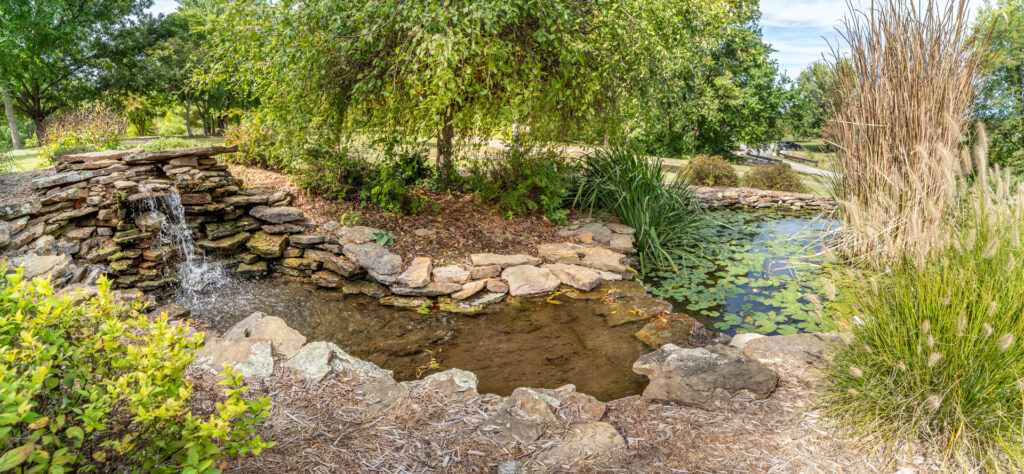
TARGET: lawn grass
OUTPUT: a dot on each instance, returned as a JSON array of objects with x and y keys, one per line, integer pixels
[{"x": 26, "y": 159}]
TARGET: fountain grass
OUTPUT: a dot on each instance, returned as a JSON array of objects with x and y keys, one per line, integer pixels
[
  {"x": 638, "y": 190},
  {"x": 936, "y": 355}
]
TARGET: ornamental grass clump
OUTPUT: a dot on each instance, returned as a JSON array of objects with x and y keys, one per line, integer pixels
[
  {"x": 88, "y": 384},
  {"x": 627, "y": 184},
  {"x": 936, "y": 355}
]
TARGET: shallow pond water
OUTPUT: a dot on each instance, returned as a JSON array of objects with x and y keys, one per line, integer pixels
[
  {"x": 752, "y": 272},
  {"x": 518, "y": 343}
]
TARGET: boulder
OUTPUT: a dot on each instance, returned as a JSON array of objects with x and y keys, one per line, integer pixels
[
  {"x": 250, "y": 357},
  {"x": 283, "y": 339},
  {"x": 244, "y": 328},
  {"x": 355, "y": 235},
  {"x": 469, "y": 289},
  {"x": 699, "y": 377},
  {"x": 598, "y": 439},
  {"x": 277, "y": 215},
  {"x": 559, "y": 253},
  {"x": 316, "y": 359},
  {"x": 581, "y": 278},
  {"x": 55, "y": 267},
  {"x": 598, "y": 231},
  {"x": 381, "y": 264},
  {"x": 417, "y": 275},
  {"x": 451, "y": 274},
  {"x": 605, "y": 260},
  {"x": 740, "y": 340},
  {"x": 503, "y": 261},
  {"x": 793, "y": 350},
  {"x": 528, "y": 280},
  {"x": 267, "y": 245},
  {"x": 340, "y": 265}
]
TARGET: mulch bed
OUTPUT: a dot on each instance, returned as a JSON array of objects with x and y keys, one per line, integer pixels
[
  {"x": 461, "y": 224},
  {"x": 16, "y": 186}
]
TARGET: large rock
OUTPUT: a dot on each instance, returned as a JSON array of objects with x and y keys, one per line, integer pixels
[
  {"x": 418, "y": 273},
  {"x": 504, "y": 261},
  {"x": 384, "y": 394},
  {"x": 232, "y": 242},
  {"x": 277, "y": 215},
  {"x": 448, "y": 382},
  {"x": 245, "y": 327},
  {"x": 283, "y": 339},
  {"x": 605, "y": 260},
  {"x": 340, "y": 265},
  {"x": 451, "y": 274},
  {"x": 559, "y": 253},
  {"x": 316, "y": 359},
  {"x": 528, "y": 280},
  {"x": 700, "y": 377},
  {"x": 381, "y": 264},
  {"x": 622, "y": 243},
  {"x": 267, "y": 245},
  {"x": 800, "y": 351},
  {"x": 55, "y": 267},
  {"x": 355, "y": 235},
  {"x": 581, "y": 278},
  {"x": 598, "y": 439},
  {"x": 250, "y": 357}
]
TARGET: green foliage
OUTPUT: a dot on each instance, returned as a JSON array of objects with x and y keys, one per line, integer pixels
[
  {"x": 383, "y": 238},
  {"x": 523, "y": 179},
  {"x": 707, "y": 170},
  {"x": 812, "y": 100},
  {"x": 334, "y": 174},
  {"x": 1000, "y": 106},
  {"x": 168, "y": 143},
  {"x": 938, "y": 355},
  {"x": 6, "y": 159},
  {"x": 171, "y": 124},
  {"x": 91, "y": 383},
  {"x": 139, "y": 113},
  {"x": 255, "y": 145},
  {"x": 753, "y": 272},
  {"x": 625, "y": 183},
  {"x": 777, "y": 176},
  {"x": 86, "y": 128},
  {"x": 54, "y": 53}
]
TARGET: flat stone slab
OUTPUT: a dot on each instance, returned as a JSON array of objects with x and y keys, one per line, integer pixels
[
  {"x": 59, "y": 179},
  {"x": 171, "y": 154},
  {"x": 504, "y": 261},
  {"x": 94, "y": 156},
  {"x": 378, "y": 261},
  {"x": 340, "y": 265},
  {"x": 581, "y": 278},
  {"x": 598, "y": 439},
  {"x": 355, "y": 235},
  {"x": 433, "y": 288},
  {"x": 277, "y": 215}
]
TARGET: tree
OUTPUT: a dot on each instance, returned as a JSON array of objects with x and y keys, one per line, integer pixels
[
  {"x": 420, "y": 69},
  {"x": 812, "y": 101},
  {"x": 12, "y": 121},
  {"x": 53, "y": 52},
  {"x": 1000, "y": 106}
]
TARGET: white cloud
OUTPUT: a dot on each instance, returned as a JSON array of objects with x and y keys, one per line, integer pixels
[{"x": 163, "y": 6}]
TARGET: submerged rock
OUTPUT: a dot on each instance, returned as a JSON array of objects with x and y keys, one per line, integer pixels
[
  {"x": 431, "y": 289},
  {"x": 699, "y": 377},
  {"x": 678, "y": 329},
  {"x": 405, "y": 301}
]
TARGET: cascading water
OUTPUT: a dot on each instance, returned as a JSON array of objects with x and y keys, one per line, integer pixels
[{"x": 196, "y": 272}]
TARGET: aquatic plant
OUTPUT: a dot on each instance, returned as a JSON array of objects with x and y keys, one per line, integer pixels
[
  {"x": 753, "y": 272},
  {"x": 637, "y": 189}
]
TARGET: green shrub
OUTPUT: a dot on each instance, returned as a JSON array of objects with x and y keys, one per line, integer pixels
[
  {"x": 92, "y": 385},
  {"x": 334, "y": 174},
  {"x": 625, "y": 183},
  {"x": 255, "y": 143},
  {"x": 707, "y": 170},
  {"x": 523, "y": 180},
  {"x": 776, "y": 176},
  {"x": 89, "y": 128},
  {"x": 6, "y": 160},
  {"x": 168, "y": 143},
  {"x": 171, "y": 124},
  {"x": 937, "y": 353}
]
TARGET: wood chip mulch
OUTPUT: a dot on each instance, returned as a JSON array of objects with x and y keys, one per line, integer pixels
[
  {"x": 17, "y": 186},
  {"x": 460, "y": 224}
]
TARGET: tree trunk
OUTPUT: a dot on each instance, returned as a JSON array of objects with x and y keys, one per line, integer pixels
[
  {"x": 12, "y": 121},
  {"x": 188, "y": 117},
  {"x": 41, "y": 138},
  {"x": 445, "y": 139}
]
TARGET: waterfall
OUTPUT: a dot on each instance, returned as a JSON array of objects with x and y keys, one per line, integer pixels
[{"x": 195, "y": 271}]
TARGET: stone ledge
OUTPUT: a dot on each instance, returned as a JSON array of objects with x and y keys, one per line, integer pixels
[{"x": 719, "y": 197}]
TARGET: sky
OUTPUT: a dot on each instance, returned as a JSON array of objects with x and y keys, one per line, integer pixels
[{"x": 799, "y": 30}]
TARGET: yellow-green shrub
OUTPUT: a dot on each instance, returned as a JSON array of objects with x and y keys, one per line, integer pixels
[
  {"x": 707, "y": 170},
  {"x": 776, "y": 176},
  {"x": 83, "y": 129},
  {"x": 94, "y": 385}
]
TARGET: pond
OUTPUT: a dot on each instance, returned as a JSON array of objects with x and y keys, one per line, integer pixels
[
  {"x": 752, "y": 272},
  {"x": 519, "y": 343}
]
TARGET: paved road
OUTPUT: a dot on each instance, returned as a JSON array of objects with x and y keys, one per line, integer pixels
[{"x": 802, "y": 168}]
